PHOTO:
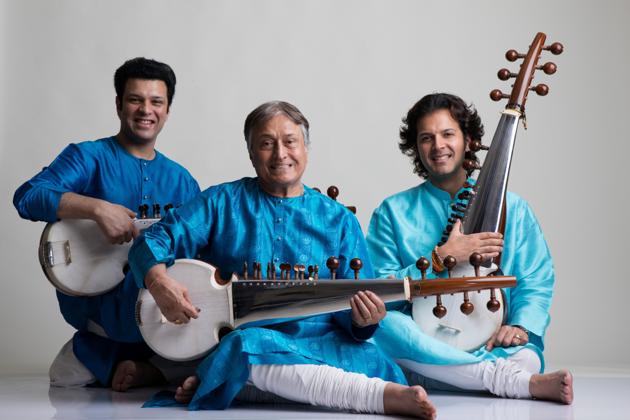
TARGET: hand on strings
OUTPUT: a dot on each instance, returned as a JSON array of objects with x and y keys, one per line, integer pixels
[
  {"x": 116, "y": 222},
  {"x": 461, "y": 246},
  {"x": 171, "y": 297},
  {"x": 367, "y": 309},
  {"x": 508, "y": 336}
]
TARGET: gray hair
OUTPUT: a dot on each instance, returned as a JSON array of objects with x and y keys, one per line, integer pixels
[{"x": 267, "y": 111}]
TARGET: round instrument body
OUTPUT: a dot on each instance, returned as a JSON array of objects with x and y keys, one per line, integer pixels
[
  {"x": 180, "y": 342},
  {"x": 465, "y": 332},
  {"x": 79, "y": 261}
]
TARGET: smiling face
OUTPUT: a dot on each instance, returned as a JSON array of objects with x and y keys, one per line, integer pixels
[
  {"x": 143, "y": 110},
  {"x": 441, "y": 147},
  {"x": 279, "y": 156}
]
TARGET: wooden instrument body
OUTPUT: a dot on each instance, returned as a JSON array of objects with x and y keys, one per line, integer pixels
[{"x": 79, "y": 261}]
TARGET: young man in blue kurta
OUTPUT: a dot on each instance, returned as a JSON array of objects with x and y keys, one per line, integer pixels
[
  {"x": 436, "y": 134},
  {"x": 322, "y": 360},
  {"x": 107, "y": 180}
]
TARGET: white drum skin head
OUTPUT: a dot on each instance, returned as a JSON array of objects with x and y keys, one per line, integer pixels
[{"x": 196, "y": 338}]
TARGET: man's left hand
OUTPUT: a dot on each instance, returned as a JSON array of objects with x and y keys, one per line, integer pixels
[
  {"x": 367, "y": 309},
  {"x": 508, "y": 336}
]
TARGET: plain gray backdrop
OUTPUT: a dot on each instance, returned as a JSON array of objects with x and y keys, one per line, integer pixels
[{"x": 354, "y": 68}]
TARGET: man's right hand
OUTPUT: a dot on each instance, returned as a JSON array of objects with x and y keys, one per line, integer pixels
[
  {"x": 116, "y": 222},
  {"x": 461, "y": 246},
  {"x": 170, "y": 296}
]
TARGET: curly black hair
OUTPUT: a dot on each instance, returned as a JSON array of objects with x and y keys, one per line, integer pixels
[{"x": 465, "y": 115}]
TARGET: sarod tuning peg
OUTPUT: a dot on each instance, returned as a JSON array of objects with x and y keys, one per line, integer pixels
[
  {"x": 505, "y": 74},
  {"x": 541, "y": 89},
  {"x": 333, "y": 264},
  {"x": 513, "y": 55},
  {"x": 548, "y": 68},
  {"x": 496, "y": 95},
  {"x": 475, "y": 146},
  {"x": 556, "y": 48},
  {"x": 356, "y": 264}
]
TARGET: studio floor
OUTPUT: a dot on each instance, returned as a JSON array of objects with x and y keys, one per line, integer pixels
[{"x": 603, "y": 394}]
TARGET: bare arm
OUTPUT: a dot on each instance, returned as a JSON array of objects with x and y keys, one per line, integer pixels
[
  {"x": 115, "y": 221},
  {"x": 171, "y": 297}
]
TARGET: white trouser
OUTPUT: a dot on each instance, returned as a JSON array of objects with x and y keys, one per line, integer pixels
[
  {"x": 66, "y": 370},
  {"x": 320, "y": 385},
  {"x": 504, "y": 377}
]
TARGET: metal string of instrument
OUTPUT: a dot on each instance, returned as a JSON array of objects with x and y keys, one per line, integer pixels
[{"x": 481, "y": 207}]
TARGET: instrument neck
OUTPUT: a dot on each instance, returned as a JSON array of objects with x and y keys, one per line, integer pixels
[
  {"x": 486, "y": 211},
  {"x": 271, "y": 299}
]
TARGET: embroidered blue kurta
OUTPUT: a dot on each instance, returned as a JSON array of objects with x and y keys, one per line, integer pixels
[
  {"x": 104, "y": 169},
  {"x": 235, "y": 222},
  {"x": 409, "y": 224}
]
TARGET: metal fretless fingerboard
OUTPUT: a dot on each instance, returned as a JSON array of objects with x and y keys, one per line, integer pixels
[{"x": 275, "y": 299}]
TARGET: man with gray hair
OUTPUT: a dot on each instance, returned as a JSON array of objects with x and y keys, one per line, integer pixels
[{"x": 322, "y": 360}]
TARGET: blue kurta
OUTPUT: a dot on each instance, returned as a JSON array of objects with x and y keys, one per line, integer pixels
[
  {"x": 104, "y": 169},
  {"x": 236, "y": 222},
  {"x": 409, "y": 224}
]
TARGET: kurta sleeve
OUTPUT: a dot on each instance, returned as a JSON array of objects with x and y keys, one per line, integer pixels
[
  {"x": 181, "y": 234},
  {"x": 38, "y": 198},
  {"x": 532, "y": 265}
]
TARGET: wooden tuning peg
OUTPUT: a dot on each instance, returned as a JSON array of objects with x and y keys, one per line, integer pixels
[
  {"x": 513, "y": 55},
  {"x": 505, "y": 74},
  {"x": 299, "y": 271},
  {"x": 493, "y": 304},
  {"x": 450, "y": 262},
  {"x": 541, "y": 89},
  {"x": 467, "y": 308},
  {"x": 548, "y": 68},
  {"x": 285, "y": 271},
  {"x": 258, "y": 270},
  {"x": 471, "y": 165},
  {"x": 356, "y": 264},
  {"x": 268, "y": 270},
  {"x": 476, "y": 145},
  {"x": 496, "y": 95},
  {"x": 245, "y": 274},
  {"x": 316, "y": 272},
  {"x": 423, "y": 265},
  {"x": 475, "y": 260},
  {"x": 273, "y": 271},
  {"x": 143, "y": 210},
  {"x": 439, "y": 310},
  {"x": 555, "y": 48},
  {"x": 332, "y": 192},
  {"x": 333, "y": 264},
  {"x": 156, "y": 211},
  {"x": 311, "y": 270}
]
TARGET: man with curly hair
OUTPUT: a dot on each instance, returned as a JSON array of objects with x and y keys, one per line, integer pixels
[{"x": 437, "y": 133}]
